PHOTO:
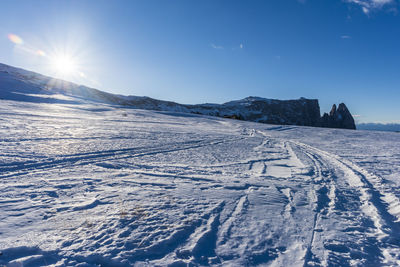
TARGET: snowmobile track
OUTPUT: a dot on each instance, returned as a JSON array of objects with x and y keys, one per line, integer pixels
[{"x": 349, "y": 184}]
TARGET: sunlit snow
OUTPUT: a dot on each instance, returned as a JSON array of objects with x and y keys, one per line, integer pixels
[{"x": 99, "y": 185}]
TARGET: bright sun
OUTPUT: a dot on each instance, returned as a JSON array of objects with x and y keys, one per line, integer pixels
[{"x": 64, "y": 65}]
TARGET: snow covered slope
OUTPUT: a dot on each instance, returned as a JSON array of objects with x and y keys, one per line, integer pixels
[
  {"x": 86, "y": 184},
  {"x": 22, "y": 85}
]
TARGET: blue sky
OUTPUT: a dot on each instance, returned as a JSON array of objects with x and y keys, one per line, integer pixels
[{"x": 215, "y": 51}]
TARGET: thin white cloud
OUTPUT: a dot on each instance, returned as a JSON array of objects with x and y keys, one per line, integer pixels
[
  {"x": 365, "y": 10},
  {"x": 369, "y": 5},
  {"x": 216, "y": 46},
  {"x": 238, "y": 47},
  {"x": 220, "y": 47},
  {"x": 345, "y": 37}
]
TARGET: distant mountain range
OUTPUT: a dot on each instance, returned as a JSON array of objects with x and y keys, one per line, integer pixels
[
  {"x": 22, "y": 85},
  {"x": 389, "y": 127}
]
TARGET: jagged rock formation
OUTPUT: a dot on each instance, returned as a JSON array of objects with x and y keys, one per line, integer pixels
[
  {"x": 338, "y": 118},
  {"x": 23, "y": 85}
]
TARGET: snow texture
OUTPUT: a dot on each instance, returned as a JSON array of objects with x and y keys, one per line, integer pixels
[{"x": 91, "y": 184}]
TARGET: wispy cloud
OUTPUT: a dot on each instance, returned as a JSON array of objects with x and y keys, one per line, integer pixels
[
  {"x": 220, "y": 47},
  {"x": 345, "y": 37},
  {"x": 238, "y": 47},
  {"x": 216, "y": 46},
  {"x": 369, "y": 5}
]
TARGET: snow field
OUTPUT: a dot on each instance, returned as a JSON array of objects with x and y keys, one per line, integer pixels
[{"x": 93, "y": 184}]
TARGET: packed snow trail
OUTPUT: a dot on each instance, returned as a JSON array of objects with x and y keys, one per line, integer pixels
[
  {"x": 94, "y": 185},
  {"x": 363, "y": 232}
]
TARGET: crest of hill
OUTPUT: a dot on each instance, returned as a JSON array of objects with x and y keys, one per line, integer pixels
[{"x": 22, "y": 85}]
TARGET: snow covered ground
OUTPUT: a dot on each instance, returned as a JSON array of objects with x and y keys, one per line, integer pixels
[{"x": 96, "y": 185}]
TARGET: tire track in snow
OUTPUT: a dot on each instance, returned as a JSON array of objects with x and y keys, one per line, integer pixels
[
  {"x": 334, "y": 250},
  {"x": 386, "y": 203},
  {"x": 383, "y": 241},
  {"x": 320, "y": 180}
]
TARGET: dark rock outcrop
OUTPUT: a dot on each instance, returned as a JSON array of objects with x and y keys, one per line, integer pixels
[
  {"x": 338, "y": 118},
  {"x": 304, "y": 112}
]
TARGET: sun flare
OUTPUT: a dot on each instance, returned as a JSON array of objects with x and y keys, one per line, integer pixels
[{"x": 64, "y": 65}]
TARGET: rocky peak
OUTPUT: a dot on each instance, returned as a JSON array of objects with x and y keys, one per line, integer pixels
[
  {"x": 338, "y": 118},
  {"x": 333, "y": 110}
]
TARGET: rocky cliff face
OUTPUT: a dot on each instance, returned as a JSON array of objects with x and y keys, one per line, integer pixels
[
  {"x": 338, "y": 118},
  {"x": 302, "y": 111}
]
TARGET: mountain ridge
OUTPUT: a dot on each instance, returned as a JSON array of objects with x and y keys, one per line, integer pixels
[
  {"x": 371, "y": 126},
  {"x": 302, "y": 112}
]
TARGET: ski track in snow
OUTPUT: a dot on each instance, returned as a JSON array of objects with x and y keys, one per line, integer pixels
[{"x": 98, "y": 185}]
